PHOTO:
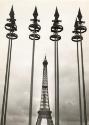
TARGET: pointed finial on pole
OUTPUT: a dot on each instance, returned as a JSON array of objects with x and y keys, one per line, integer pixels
[
  {"x": 79, "y": 15},
  {"x": 80, "y": 28},
  {"x": 12, "y": 12},
  {"x": 56, "y": 15},
  {"x": 35, "y": 13},
  {"x": 76, "y": 23},
  {"x": 75, "y": 26}
]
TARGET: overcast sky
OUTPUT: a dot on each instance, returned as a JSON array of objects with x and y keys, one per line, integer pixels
[{"x": 22, "y": 56}]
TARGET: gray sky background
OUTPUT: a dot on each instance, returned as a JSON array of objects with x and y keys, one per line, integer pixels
[{"x": 21, "y": 58}]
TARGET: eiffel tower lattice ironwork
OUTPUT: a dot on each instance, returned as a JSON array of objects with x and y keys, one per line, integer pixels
[{"x": 44, "y": 111}]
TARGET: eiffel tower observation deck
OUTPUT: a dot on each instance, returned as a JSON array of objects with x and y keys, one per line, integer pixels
[{"x": 44, "y": 111}]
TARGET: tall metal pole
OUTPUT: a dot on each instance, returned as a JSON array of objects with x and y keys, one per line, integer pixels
[
  {"x": 33, "y": 28},
  {"x": 80, "y": 103},
  {"x": 9, "y": 61},
  {"x": 77, "y": 38},
  {"x": 84, "y": 91},
  {"x": 79, "y": 29},
  {"x": 5, "y": 89},
  {"x": 11, "y": 26},
  {"x": 31, "y": 87},
  {"x": 57, "y": 89},
  {"x": 55, "y": 62},
  {"x": 56, "y": 28}
]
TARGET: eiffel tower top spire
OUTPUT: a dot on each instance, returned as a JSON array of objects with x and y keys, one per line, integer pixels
[
  {"x": 44, "y": 104},
  {"x": 45, "y": 63}
]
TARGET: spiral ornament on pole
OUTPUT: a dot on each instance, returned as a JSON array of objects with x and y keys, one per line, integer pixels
[
  {"x": 56, "y": 28},
  {"x": 77, "y": 37},
  {"x": 35, "y": 27},
  {"x": 11, "y": 26}
]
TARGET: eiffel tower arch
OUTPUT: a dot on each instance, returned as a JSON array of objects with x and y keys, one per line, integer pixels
[{"x": 44, "y": 111}]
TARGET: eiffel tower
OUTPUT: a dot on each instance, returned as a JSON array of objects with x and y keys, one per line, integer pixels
[{"x": 44, "y": 111}]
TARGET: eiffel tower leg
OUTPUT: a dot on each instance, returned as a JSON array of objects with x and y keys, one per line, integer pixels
[
  {"x": 49, "y": 121},
  {"x": 38, "y": 121}
]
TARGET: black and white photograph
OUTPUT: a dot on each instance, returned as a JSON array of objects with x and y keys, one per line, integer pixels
[{"x": 44, "y": 62}]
